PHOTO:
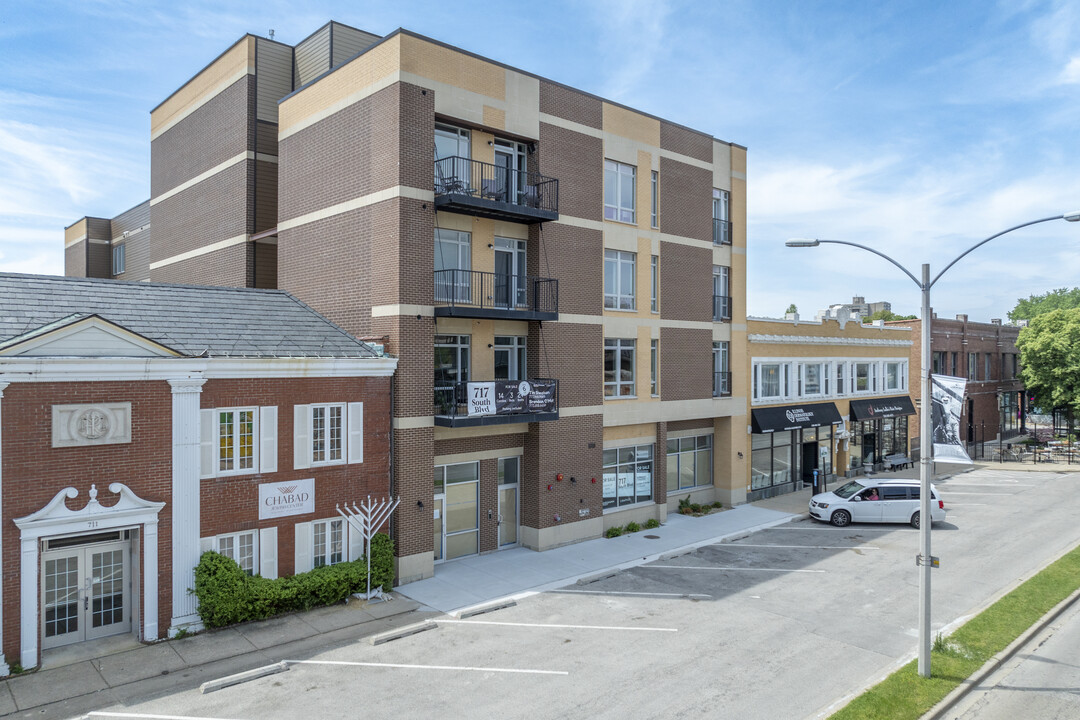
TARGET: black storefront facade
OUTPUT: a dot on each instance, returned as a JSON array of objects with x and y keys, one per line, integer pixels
[
  {"x": 788, "y": 443},
  {"x": 878, "y": 428}
]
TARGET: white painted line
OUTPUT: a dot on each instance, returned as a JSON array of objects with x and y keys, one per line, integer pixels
[
  {"x": 755, "y": 569},
  {"x": 403, "y": 666},
  {"x": 961, "y": 492},
  {"x": 811, "y": 547},
  {"x": 552, "y": 625},
  {"x": 642, "y": 594},
  {"x": 1008, "y": 483},
  {"x": 104, "y": 713},
  {"x": 820, "y": 526}
]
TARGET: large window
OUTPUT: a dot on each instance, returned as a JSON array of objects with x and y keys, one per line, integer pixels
[
  {"x": 452, "y": 153},
  {"x": 327, "y": 542},
  {"x": 453, "y": 260},
  {"x": 770, "y": 460},
  {"x": 939, "y": 362},
  {"x": 327, "y": 438},
  {"x": 893, "y": 377},
  {"x": 776, "y": 379},
  {"x": 619, "y": 279},
  {"x": 451, "y": 360},
  {"x": 811, "y": 377},
  {"x": 510, "y": 357},
  {"x": 628, "y": 473},
  {"x": 689, "y": 462},
  {"x": 861, "y": 377},
  {"x": 619, "y": 367},
  {"x": 721, "y": 208},
  {"x": 619, "y": 200},
  {"x": 239, "y": 547},
  {"x": 770, "y": 381},
  {"x": 236, "y": 440},
  {"x": 721, "y": 276}
]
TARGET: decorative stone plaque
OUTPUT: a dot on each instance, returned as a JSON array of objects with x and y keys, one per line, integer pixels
[{"x": 105, "y": 424}]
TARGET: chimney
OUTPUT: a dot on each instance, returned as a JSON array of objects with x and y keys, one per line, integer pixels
[
  {"x": 962, "y": 317},
  {"x": 995, "y": 321}
]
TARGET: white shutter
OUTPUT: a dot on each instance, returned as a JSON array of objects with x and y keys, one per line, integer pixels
[
  {"x": 356, "y": 542},
  {"x": 268, "y": 441},
  {"x": 207, "y": 435},
  {"x": 207, "y": 544},
  {"x": 356, "y": 432},
  {"x": 302, "y": 548},
  {"x": 268, "y": 552},
  {"x": 301, "y": 436}
]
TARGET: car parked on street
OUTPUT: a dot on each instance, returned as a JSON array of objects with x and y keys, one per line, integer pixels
[{"x": 868, "y": 500}]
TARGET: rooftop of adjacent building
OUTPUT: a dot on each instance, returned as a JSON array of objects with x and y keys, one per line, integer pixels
[
  {"x": 191, "y": 320},
  {"x": 825, "y": 327}
]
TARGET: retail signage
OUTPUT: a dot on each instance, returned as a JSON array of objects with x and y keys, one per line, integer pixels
[
  {"x": 882, "y": 408},
  {"x": 280, "y": 499},
  {"x": 511, "y": 397},
  {"x": 794, "y": 417},
  {"x": 947, "y": 402}
]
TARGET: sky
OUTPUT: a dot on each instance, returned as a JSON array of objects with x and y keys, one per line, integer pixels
[{"x": 915, "y": 128}]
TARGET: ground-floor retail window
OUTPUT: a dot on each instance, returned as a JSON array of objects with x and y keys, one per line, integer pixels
[
  {"x": 456, "y": 510},
  {"x": 872, "y": 440},
  {"x": 770, "y": 459},
  {"x": 628, "y": 474},
  {"x": 689, "y": 462}
]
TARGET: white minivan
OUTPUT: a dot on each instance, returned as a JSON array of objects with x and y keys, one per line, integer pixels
[{"x": 867, "y": 500}]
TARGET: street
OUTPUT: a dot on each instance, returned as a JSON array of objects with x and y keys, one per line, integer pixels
[{"x": 784, "y": 623}]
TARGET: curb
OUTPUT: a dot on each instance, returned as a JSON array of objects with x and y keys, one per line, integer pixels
[{"x": 993, "y": 664}]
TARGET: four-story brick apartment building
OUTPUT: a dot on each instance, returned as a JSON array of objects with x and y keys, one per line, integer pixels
[{"x": 561, "y": 277}]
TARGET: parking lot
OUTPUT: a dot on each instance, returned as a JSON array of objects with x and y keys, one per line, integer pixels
[{"x": 785, "y": 622}]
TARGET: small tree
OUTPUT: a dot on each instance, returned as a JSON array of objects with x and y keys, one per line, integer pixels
[
  {"x": 791, "y": 309},
  {"x": 1050, "y": 354},
  {"x": 888, "y": 315}
]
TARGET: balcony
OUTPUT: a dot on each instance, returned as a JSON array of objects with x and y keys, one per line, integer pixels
[
  {"x": 721, "y": 308},
  {"x": 475, "y": 294},
  {"x": 721, "y": 384},
  {"x": 721, "y": 232},
  {"x": 496, "y": 402},
  {"x": 492, "y": 191}
]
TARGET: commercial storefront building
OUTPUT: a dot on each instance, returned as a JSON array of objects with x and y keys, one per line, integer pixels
[{"x": 828, "y": 397}]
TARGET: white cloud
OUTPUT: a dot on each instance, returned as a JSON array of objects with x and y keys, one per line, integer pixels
[{"x": 1071, "y": 74}]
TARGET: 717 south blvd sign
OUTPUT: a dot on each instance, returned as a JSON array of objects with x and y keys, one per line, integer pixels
[
  {"x": 511, "y": 397},
  {"x": 295, "y": 497}
]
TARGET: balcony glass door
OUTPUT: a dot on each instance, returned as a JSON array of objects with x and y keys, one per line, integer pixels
[
  {"x": 510, "y": 289},
  {"x": 510, "y": 358},
  {"x": 509, "y": 171},
  {"x": 452, "y": 166},
  {"x": 453, "y": 262}
]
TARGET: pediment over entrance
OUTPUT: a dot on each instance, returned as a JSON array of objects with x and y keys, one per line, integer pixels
[{"x": 56, "y": 511}]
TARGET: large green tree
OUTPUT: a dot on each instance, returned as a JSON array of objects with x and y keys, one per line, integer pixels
[
  {"x": 1060, "y": 299},
  {"x": 1050, "y": 355},
  {"x": 888, "y": 315}
]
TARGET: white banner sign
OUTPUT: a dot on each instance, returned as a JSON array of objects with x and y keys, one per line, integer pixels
[
  {"x": 481, "y": 398},
  {"x": 295, "y": 497},
  {"x": 947, "y": 403}
]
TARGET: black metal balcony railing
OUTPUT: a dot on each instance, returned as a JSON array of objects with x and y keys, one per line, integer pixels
[
  {"x": 471, "y": 293},
  {"x": 495, "y": 191},
  {"x": 721, "y": 232},
  {"x": 721, "y": 386},
  {"x": 494, "y": 402},
  {"x": 721, "y": 308}
]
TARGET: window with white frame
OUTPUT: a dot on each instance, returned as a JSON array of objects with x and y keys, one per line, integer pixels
[
  {"x": 327, "y": 542},
  {"x": 619, "y": 192},
  {"x": 811, "y": 379},
  {"x": 453, "y": 261},
  {"x": 619, "y": 367},
  {"x": 894, "y": 379},
  {"x": 118, "y": 253},
  {"x": 619, "y": 279},
  {"x": 655, "y": 199},
  {"x": 240, "y": 547},
  {"x": 860, "y": 378},
  {"x": 689, "y": 462},
  {"x": 770, "y": 381},
  {"x": 328, "y": 434},
  {"x": 654, "y": 275},
  {"x": 236, "y": 440},
  {"x": 840, "y": 378}
]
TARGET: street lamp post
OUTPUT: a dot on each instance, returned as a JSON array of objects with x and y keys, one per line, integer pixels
[{"x": 925, "y": 560}]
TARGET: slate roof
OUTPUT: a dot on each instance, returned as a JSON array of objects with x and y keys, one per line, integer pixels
[{"x": 193, "y": 320}]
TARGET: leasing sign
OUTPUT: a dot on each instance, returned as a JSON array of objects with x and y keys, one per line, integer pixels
[{"x": 295, "y": 497}]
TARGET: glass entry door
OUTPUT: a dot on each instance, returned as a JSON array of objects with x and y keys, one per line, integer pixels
[
  {"x": 457, "y": 502},
  {"x": 510, "y": 290},
  {"x": 509, "y": 473},
  {"x": 85, "y": 592}
]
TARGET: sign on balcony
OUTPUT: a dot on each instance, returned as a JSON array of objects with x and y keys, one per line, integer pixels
[{"x": 511, "y": 397}]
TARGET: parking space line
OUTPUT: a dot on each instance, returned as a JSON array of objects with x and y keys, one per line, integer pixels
[
  {"x": 806, "y": 547},
  {"x": 553, "y": 625},
  {"x": 107, "y": 714},
  {"x": 754, "y": 569},
  {"x": 994, "y": 494},
  {"x": 639, "y": 594},
  {"x": 1009, "y": 483},
  {"x": 404, "y": 666},
  {"x": 818, "y": 527}
]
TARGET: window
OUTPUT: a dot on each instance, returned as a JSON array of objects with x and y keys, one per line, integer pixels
[
  {"x": 721, "y": 206},
  {"x": 452, "y": 152},
  {"x": 618, "y": 367},
  {"x": 810, "y": 382},
  {"x": 453, "y": 259},
  {"x": 972, "y": 366},
  {"x": 894, "y": 376},
  {"x": 721, "y": 369},
  {"x": 839, "y": 378},
  {"x": 509, "y": 470},
  {"x": 327, "y": 438},
  {"x": 327, "y": 542},
  {"x": 1015, "y": 367},
  {"x": 510, "y": 358},
  {"x": 655, "y": 199},
  {"x": 689, "y": 462},
  {"x": 986, "y": 367},
  {"x": 956, "y": 364},
  {"x": 654, "y": 276},
  {"x": 236, "y": 440},
  {"x": 619, "y": 279},
  {"x": 721, "y": 278},
  {"x": 451, "y": 360},
  {"x": 861, "y": 377},
  {"x": 239, "y": 547},
  {"x": 118, "y": 259},
  {"x": 769, "y": 381},
  {"x": 654, "y": 366},
  {"x": 619, "y": 184},
  {"x": 627, "y": 475},
  {"x": 938, "y": 363}
]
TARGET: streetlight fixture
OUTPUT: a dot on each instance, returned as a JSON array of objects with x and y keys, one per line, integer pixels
[{"x": 925, "y": 560}]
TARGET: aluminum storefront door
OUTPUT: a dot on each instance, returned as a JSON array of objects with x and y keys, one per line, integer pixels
[{"x": 508, "y": 515}]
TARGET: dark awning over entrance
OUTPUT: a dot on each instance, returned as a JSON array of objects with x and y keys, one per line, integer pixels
[
  {"x": 881, "y": 408},
  {"x": 794, "y": 417}
]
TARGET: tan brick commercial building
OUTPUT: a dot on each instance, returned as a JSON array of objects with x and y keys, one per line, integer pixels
[
  {"x": 830, "y": 395},
  {"x": 562, "y": 278}
]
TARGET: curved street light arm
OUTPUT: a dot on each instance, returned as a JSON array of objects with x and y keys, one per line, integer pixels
[
  {"x": 883, "y": 255},
  {"x": 996, "y": 235}
]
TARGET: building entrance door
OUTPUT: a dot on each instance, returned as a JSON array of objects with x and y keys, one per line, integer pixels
[
  {"x": 85, "y": 589},
  {"x": 809, "y": 461},
  {"x": 508, "y": 515}
]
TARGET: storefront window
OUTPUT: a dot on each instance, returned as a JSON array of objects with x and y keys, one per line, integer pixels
[
  {"x": 689, "y": 462},
  {"x": 627, "y": 475}
]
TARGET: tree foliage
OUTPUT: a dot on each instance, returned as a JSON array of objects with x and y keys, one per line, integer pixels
[
  {"x": 888, "y": 315},
  {"x": 1060, "y": 299},
  {"x": 1050, "y": 354},
  {"x": 791, "y": 308}
]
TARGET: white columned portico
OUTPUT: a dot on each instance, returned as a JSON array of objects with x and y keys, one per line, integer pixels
[
  {"x": 185, "y": 500},
  {"x": 4, "y": 668}
]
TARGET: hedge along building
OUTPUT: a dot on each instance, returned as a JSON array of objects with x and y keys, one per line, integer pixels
[
  {"x": 145, "y": 423},
  {"x": 591, "y": 251},
  {"x": 828, "y": 395}
]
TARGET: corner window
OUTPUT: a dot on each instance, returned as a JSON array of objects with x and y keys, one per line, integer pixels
[
  {"x": 327, "y": 427},
  {"x": 327, "y": 542},
  {"x": 689, "y": 462},
  {"x": 619, "y": 280},
  {"x": 627, "y": 475},
  {"x": 118, "y": 259},
  {"x": 619, "y": 184},
  {"x": 619, "y": 367}
]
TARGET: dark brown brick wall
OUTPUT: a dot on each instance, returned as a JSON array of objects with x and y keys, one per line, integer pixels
[
  {"x": 685, "y": 282},
  {"x": 456, "y": 446},
  {"x": 563, "y": 447},
  {"x": 660, "y": 487},
  {"x": 577, "y": 161},
  {"x": 685, "y": 363},
  {"x": 573, "y": 354},
  {"x": 574, "y": 256},
  {"x": 75, "y": 260},
  {"x": 697, "y": 424},
  {"x": 228, "y": 266},
  {"x": 100, "y": 261},
  {"x": 413, "y": 525},
  {"x": 685, "y": 141},
  {"x": 686, "y": 199},
  {"x": 411, "y": 340},
  {"x": 571, "y": 105}
]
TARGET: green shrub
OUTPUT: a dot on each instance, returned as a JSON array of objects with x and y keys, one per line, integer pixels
[
  {"x": 613, "y": 532},
  {"x": 718, "y": 505},
  {"x": 652, "y": 523},
  {"x": 227, "y": 595},
  {"x": 684, "y": 503},
  {"x": 695, "y": 507},
  {"x": 632, "y": 527}
]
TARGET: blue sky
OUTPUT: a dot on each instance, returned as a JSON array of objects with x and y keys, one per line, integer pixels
[{"x": 917, "y": 128}]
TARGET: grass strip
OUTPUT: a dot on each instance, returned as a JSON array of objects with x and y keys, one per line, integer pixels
[{"x": 905, "y": 695}]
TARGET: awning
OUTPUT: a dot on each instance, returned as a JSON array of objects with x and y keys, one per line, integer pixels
[
  {"x": 794, "y": 417},
  {"x": 881, "y": 408}
]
